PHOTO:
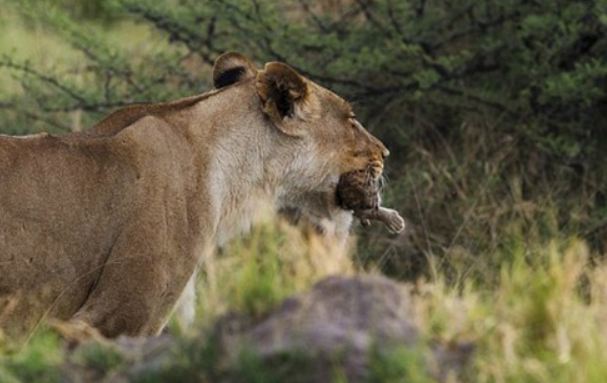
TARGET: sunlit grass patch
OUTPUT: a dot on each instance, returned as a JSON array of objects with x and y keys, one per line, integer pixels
[
  {"x": 544, "y": 320},
  {"x": 272, "y": 262},
  {"x": 38, "y": 361}
]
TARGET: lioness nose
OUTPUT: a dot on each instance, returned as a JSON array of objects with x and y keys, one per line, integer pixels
[{"x": 382, "y": 148}]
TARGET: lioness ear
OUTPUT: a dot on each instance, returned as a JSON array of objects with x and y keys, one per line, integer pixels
[
  {"x": 230, "y": 68},
  {"x": 284, "y": 95}
]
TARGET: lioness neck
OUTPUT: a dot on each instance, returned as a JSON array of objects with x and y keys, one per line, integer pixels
[{"x": 249, "y": 161}]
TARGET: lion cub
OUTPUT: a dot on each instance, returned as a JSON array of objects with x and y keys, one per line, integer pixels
[{"x": 359, "y": 191}]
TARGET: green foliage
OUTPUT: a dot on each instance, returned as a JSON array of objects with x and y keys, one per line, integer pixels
[
  {"x": 258, "y": 283},
  {"x": 191, "y": 361},
  {"x": 100, "y": 358},
  {"x": 293, "y": 367},
  {"x": 398, "y": 364},
  {"x": 543, "y": 62},
  {"x": 38, "y": 362}
]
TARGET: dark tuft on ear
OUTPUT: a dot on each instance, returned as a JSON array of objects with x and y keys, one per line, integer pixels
[
  {"x": 231, "y": 68},
  {"x": 229, "y": 77},
  {"x": 284, "y": 106}
]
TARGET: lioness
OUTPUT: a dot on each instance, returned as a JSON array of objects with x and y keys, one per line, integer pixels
[{"x": 106, "y": 227}]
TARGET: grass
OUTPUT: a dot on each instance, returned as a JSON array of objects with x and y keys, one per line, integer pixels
[
  {"x": 98, "y": 357},
  {"x": 398, "y": 365},
  {"x": 543, "y": 320},
  {"x": 38, "y": 362},
  {"x": 258, "y": 271}
]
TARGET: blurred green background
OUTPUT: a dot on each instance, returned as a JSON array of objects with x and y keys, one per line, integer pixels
[{"x": 495, "y": 113}]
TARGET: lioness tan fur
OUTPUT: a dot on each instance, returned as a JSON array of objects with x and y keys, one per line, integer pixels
[{"x": 107, "y": 226}]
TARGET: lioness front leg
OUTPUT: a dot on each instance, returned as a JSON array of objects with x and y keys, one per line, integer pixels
[
  {"x": 185, "y": 310},
  {"x": 139, "y": 285}
]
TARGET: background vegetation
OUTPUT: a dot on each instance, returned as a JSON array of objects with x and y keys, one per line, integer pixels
[{"x": 494, "y": 112}]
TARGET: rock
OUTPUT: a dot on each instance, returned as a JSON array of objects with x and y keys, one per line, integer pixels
[{"x": 343, "y": 321}]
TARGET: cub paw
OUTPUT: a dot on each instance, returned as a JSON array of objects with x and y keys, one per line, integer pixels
[{"x": 393, "y": 221}]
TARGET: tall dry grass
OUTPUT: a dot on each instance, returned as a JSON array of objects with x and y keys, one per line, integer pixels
[
  {"x": 543, "y": 321},
  {"x": 272, "y": 262}
]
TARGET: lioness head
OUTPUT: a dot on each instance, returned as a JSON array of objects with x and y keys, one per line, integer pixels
[{"x": 321, "y": 126}]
